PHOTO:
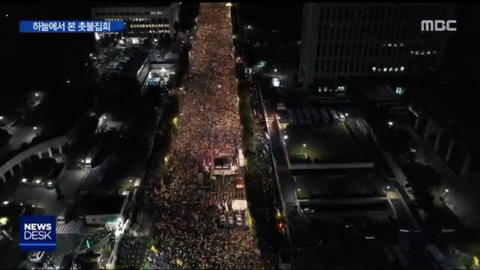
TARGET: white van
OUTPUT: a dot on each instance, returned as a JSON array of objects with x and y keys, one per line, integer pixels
[{"x": 61, "y": 217}]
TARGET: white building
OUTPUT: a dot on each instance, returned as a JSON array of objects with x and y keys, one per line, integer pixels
[
  {"x": 154, "y": 22},
  {"x": 344, "y": 41}
]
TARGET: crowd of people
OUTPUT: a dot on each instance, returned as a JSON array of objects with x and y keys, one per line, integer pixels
[{"x": 188, "y": 231}]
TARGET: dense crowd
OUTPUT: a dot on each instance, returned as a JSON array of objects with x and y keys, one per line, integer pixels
[{"x": 188, "y": 229}]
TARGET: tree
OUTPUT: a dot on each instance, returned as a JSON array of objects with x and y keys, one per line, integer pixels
[
  {"x": 4, "y": 137},
  {"x": 424, "y": 180}
]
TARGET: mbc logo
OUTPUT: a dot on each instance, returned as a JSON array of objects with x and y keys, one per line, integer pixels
[{"x": 438, "y": 25}]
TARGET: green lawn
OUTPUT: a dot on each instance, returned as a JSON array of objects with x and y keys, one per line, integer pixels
[{"x": 331, "y": 144}]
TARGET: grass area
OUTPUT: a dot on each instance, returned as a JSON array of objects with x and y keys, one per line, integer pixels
[{"x": 330, "y": 144}]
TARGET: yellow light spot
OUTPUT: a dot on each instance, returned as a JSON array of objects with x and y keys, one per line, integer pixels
[{"x": 175, "y": 121}]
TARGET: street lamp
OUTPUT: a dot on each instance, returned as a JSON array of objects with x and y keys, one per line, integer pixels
[
  {"x": 388, "y": 187},
  {"x": 24, "y": 180},
  {"x": 1, "y": 117},
  {"x": 37, "y": 94},
  {"x": 34, "y": 128},
  {"x": 447, "y": 190},
  {"x": 390, "y": 123},
  {"x": 298, "y": 189},
  {"x": 305, "y": 145},
  {"x": 275, "y": 70},
  {"x": 68, "y": 81},
  {"x": 285, "y": 137},
  {"x": 91, "y": 54},
  {"x": 346, "y": 114}
]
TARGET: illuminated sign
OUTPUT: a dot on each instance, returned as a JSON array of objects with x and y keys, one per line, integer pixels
[{"x": 97, "y": 26}]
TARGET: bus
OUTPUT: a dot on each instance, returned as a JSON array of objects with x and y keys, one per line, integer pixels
[
  {"x": 308, "y": 115},
  {"x": 316, "y": 116},
  {"x": 325, "y": 117},
  {"x": 436, "y": 257},
  {"x": 292, "y": 117},
  {"x": 300, "y": 117}
]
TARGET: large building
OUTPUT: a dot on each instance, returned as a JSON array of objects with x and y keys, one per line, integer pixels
[
  {"x": 154, "y": 22},
  {"x": 342, "y": 42}
]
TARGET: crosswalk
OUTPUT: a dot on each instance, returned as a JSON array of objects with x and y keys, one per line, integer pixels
[{"x": 73, "y": 227}]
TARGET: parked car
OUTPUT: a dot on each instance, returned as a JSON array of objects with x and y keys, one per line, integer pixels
[
  {"x": 239, "y": 219},
  {"x": 223, "y": 219}
]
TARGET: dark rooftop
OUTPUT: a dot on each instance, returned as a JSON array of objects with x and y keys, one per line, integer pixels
[{"x": 92, "y": 204}]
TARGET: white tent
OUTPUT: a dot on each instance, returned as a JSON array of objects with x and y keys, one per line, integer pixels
[{"x": 239, "y": 205}]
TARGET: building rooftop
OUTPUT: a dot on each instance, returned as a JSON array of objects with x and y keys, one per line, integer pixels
[
  {"x": 147, "y": 4},
  {"x": 93, "y": 204},
  {"x": 135, "y": 63},
  {"x": 380, "y": 93}
]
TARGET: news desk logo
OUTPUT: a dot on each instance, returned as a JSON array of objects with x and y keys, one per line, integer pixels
[
  {"x": 37, "y": 233},
  {"x": 438, "y": 25}
]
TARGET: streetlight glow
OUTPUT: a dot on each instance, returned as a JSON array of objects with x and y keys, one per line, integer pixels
[
  {"x": 446, "y": 190},
  {"x": 285, "y": 137},
  {"x": 24, "y": 180},
  {"x": 34, "y": 128},
  {"x": 36, "y": 94},
  {"x": 1, "y": 117},
  {"x": 304, "y": 145}
]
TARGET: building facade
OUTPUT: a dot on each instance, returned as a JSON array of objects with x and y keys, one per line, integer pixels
[
  {"x": 344, "y": 41},
  {"x": 154, "y": 22}
]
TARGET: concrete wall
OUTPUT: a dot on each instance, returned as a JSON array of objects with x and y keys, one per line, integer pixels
[
  {"x": 37, "y": 150},
  {"x": 324, "y": 166},
  {"x": 434, "y": 133}
]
